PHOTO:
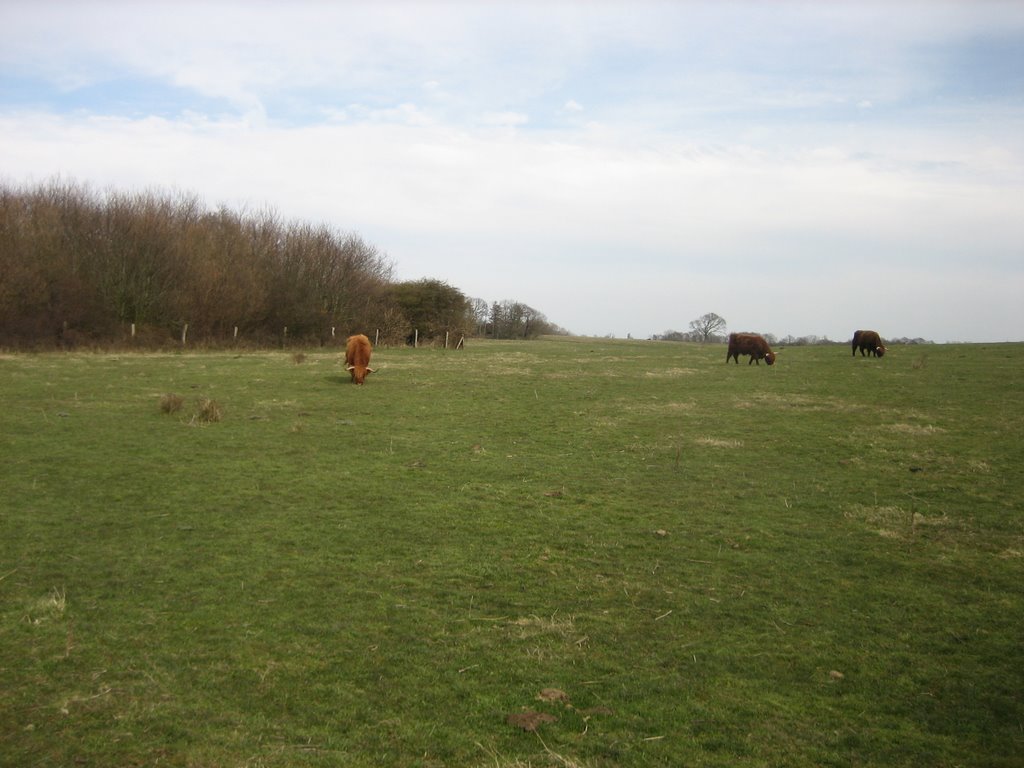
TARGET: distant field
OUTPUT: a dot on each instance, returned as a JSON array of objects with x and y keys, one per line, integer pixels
[{"x": 564, "y": 552}]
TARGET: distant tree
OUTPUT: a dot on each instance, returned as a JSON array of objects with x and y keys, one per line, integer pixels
[
  {"x": 516, "y": 320},
  {"x": 706, "y": 326},
  {"x": 433, "y": 307},
  {"x": 481, "y": 315},
  {"x": 79, "y": 266}
]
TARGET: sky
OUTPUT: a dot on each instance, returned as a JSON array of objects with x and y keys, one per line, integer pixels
[{"x": 798, "y": 168}]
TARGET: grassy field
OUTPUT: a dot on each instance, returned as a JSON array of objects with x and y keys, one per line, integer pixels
[{"x": 555, "y": 553}]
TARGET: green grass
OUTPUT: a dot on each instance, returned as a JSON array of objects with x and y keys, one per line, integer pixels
[{"x": 815, "y": 564}]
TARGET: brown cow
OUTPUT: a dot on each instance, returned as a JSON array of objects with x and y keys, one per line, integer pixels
[
  {"x": 868, "y": 341},
  {"x": 357, "y": 357},
  {"x": 749, "y": 344}
]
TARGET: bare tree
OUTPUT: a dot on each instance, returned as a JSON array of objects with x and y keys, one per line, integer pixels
[
  {"x": 481, "y": 314},
  {"x": 706, "y": 326}
]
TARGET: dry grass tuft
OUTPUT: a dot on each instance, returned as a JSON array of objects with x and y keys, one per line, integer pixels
[
  {"x": 716, "y": 442},
  {"x": 171, "y": 403},
  {"x": 51, "y": 607},
  {"x": 299, "y": 358},
  {"x": 894, "y": 522},
  {"x": 209, "y": 410},
  {"x": 914, "y": 429},
  {"x": 533, "y": 626}
]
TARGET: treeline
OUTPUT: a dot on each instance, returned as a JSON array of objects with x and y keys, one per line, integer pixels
[
  {"x": 78, "y": 267},
  {"x": 773, "y": 340}
]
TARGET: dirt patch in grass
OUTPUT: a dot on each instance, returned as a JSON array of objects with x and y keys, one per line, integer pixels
[{"x": 530, "y": 721}]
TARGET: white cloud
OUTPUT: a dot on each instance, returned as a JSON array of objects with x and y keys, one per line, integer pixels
[
  {"x": 507, "y": 119},
  {"x": 733, "y": 157}
]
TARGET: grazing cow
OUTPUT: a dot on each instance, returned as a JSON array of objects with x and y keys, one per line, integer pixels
[
  {"x": 749, "y": 344},
  {"x": 869, "y": 342},
  {"x": 357, "y": 357}
]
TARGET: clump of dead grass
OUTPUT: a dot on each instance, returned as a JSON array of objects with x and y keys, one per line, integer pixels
[
  {"x": 171, "y": 403},
  {"x": 914, "y": 429},
  {"x": 51, "y": 607},
  {"x": 532, "y": 626},
  {"x": 209, "y": 410},
  {"x": 895, "y": 522},
  {"x": 299, "y": 358},
  {"x": 717, "y": 442}
]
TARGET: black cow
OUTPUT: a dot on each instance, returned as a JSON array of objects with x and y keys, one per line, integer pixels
[
  {"x": 869, "y": 343},
  {"x": 749, "y": 344}
]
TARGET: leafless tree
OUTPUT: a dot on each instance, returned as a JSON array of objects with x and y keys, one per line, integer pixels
[
  {"x": 78, "y": 265},
  {"x": 706, "y": 326}
]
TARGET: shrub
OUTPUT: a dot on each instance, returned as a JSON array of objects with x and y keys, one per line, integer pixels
[{"x": 171, "y": 403}]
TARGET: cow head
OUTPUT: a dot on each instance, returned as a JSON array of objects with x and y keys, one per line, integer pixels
[
  {"x": 359, "y": 373},
  {"x": 879, "y": 350},
  {"x": 769, "y": 357}
]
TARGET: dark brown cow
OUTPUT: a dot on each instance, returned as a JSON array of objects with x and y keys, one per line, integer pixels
[
  {"x": 868, "y": 342},
  {"x": 357, "y": 357},
  {"x": 749, "y": 344}
]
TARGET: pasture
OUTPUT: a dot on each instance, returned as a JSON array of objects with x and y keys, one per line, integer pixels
[{"x": 566, "y": 552}]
